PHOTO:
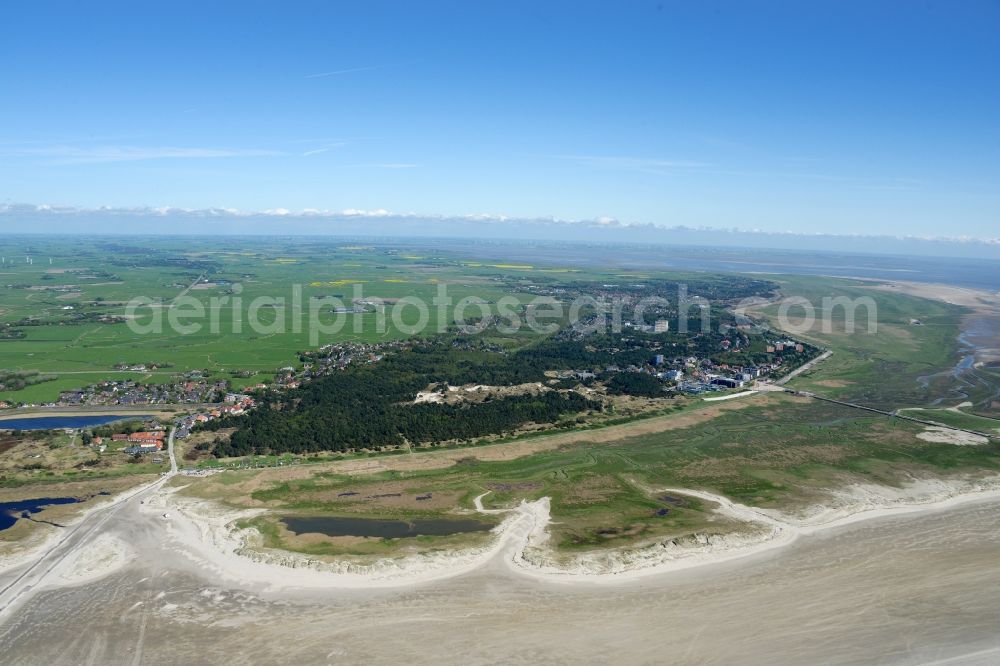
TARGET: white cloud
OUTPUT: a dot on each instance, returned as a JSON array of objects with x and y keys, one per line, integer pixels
[
  {"x": 26, "y": 212},
  {"x": 355, "y": 212}
]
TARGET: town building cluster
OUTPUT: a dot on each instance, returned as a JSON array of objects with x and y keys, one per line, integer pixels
[
  {"x": 235, "y": 405},
  {"x": 693, "y": 374},
  {"x": 193, "y": 389}
]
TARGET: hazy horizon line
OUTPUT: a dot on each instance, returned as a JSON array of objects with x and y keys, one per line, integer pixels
[
  {"x": 314, "y": 214},
  {"x": 45, "y": 219}
]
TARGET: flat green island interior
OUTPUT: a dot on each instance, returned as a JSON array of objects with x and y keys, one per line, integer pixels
[
  {"x": 98, "y": 277},
  {"x": 58, "y": 305},
  {"x": 773, "y": 450}
]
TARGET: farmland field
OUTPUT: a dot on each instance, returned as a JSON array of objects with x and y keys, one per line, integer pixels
[
  {"x": 65, "y": 305},
  {"x": 603, "y": 473},
  {"x": 59, "y": 299}
]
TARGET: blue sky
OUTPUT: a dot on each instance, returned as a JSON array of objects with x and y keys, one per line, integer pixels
[{"x": 842, "y": 117}]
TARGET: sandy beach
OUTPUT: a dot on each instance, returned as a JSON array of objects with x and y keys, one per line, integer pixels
[
  {"x": 813, "y": 588},
  {"x": 964, "y": 296},
  {"x": 909, "y": 589},
  {"x": 44, "y": 537},
  {"x": 204, "y": 533},
  {"x": 222, "y": 572},
  {"x": 978, "y": 337}
]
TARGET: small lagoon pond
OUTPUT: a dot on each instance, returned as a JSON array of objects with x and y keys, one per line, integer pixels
[
  {"x": 336, "y": 526},
  {"x": 10, "y": 512},
  {"x": 60, "y": 422}
]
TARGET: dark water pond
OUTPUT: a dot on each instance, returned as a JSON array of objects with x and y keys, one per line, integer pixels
[
  {"x": 385, "y": 529},
  {"x": 10, "y": 512},
  {"x": 59, "y": 422}
]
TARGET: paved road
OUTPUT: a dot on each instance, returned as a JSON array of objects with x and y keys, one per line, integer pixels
[
  {"x": 802, "y": 368},
  {"x": 778, "y": 385},
  {"x": 170, "y": 452},
  {"x": 72, "y": 538},
  {"x": 895, "y": 413},
  {"x": 189, "y": 288}
]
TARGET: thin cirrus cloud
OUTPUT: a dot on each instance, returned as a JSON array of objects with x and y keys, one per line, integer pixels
[
  {"x": 381, "y": 165},
  {"x": 625, "y": 163},
  {"x": 323, "y": 149},
  {"x": 68, "y": 154},
  {"x": 337, "y": 72},
  {"x": 391, "y": 165}
]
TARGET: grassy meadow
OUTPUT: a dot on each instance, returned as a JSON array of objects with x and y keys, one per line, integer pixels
[
  {"x": 606, "y": 485},
  {"x": 888, "y": 365},
  {"x": 69, "y": 284},
  {"x": 774, "y": 451}
]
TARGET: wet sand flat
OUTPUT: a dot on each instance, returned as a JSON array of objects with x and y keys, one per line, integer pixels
[{"x": 911, "y": 589}]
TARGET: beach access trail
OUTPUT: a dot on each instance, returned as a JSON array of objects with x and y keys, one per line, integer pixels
[{"x": 68, "y": 541}]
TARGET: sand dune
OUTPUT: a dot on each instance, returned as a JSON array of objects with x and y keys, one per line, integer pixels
[{"x": 205, "y": 532}]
